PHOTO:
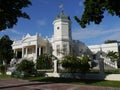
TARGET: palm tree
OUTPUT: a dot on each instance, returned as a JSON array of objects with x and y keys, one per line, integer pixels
[{"x": 114, "y": 56}]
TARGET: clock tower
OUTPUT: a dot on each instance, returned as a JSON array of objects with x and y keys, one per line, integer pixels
[{"x": 62, "y": 38}]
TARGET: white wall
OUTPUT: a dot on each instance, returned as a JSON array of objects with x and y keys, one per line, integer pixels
[{"x": 104, "y": 47}]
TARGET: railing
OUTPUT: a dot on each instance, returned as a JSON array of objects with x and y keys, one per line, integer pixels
[{"x": 110, "y": 63}]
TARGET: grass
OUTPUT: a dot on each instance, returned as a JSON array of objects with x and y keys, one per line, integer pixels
[
  {"x": 76, "y": 81},
  {"x": 3, "y": 76}
]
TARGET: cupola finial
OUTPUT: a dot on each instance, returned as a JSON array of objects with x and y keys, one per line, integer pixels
[{"x": 61, "y": 7}]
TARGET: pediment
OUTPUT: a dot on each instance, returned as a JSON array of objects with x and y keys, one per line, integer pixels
[{"x": 28, "y": 35}]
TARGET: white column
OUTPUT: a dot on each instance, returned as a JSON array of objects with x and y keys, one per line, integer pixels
[
  {"x": 26, "y": 51},
  {"x": 15, "y": 52},
  {"x": 40, "y": 50},
  {"x": 22, "y": 52},
  {"x": 36, "y": 51},
  {"x": 55, "y": 66},
  {"x": 116, "y": 65}
]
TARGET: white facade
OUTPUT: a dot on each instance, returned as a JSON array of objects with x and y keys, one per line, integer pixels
[{"x": 59, "y": 45}]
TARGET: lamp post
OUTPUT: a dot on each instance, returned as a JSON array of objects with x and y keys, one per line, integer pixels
[{"x": 101, "y": 62}]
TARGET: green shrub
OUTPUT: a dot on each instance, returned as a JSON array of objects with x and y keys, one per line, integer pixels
[
  {"x": 71, "y": 63},
  {"x": 26, "y": 67},
  {"x": 44, "y": 62},
  {"x": 85, "y": 66}
]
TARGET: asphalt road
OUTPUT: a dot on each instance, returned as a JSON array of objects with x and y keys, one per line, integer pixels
[{"x": 18, "y": 84}]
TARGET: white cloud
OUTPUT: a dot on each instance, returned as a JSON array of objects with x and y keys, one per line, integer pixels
[
  {"x": 41, "y": 22},
  {"x": 81, "y": 3},
  {"x": 86, "y": 34},
  {"x": 99, "y": 35},
  {"x": 15, "y": 32},
  {"x": 11, "y": 31},
  {"x": 113, "y": 36}
]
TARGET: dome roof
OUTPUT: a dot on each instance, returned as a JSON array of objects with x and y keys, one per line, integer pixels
[{"x": 62, "y": 16}]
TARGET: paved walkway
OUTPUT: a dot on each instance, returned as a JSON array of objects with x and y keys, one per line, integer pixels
[{"x": 18, "y": 84}]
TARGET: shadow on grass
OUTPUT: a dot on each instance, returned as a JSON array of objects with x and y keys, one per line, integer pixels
[{"x": 63, "y": 80}]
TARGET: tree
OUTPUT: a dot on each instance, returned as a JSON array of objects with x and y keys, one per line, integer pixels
[
  {"x": 44, "y": 62},
  {"x": 111, "y": 41},
  {"x": 75, "y": 64},
  {"x": 6, "y": 52},
  {"x": 10, "y": 11},
  {"x": 94, "y": 11},
  {"x": 2, "y": 69},
  {"x": 114, "y": 56}
]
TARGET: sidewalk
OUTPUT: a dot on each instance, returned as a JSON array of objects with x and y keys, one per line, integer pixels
[{"x": 18, "y": 84}]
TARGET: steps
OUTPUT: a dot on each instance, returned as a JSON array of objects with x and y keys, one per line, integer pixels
[{"x": 110, "y": 63}]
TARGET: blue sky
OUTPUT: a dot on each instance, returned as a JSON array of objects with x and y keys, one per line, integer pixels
[{"x": 43, "y": 12}]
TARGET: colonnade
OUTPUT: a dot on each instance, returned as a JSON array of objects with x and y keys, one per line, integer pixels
[{"x": 34, "y": 51}]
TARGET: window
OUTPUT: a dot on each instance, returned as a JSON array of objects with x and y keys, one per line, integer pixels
[
  {"x": 58, "y": 49},
  {"x": 58, "y": 28},
  {"x": 65, "y": 49}
]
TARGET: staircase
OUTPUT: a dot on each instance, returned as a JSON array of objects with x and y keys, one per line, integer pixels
[
  {"x": 10, "y": 70},
  {"x": 108, "y": 61},
  {"x": 12, "y": 67},
  {"x": 108, "y": 64},
  {"x": 13, "y": 64}
]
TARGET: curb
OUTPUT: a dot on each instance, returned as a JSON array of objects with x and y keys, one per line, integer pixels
[{"x": 22, "y": 84}]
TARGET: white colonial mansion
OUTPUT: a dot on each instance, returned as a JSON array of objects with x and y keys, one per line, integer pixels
[{"x": 59, "y": 45}]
